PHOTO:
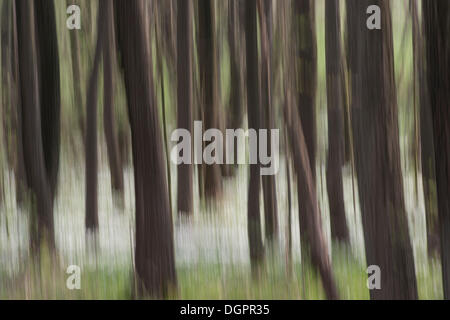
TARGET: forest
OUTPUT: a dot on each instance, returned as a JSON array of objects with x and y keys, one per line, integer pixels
[{"x": 357, "y": 201}]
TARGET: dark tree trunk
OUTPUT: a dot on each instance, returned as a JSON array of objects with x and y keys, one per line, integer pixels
[
  {"x": 154, "y": 252},
  {"x": 49, "y": 87},
  {"x": 253, "y": 115},
  {"x": 436, "y": 15},
  {"x": 91, "y": 125},
  {"x": 377, "y": 150},
  {"x": 31, "y": 128},
  {"x": 268, "y": 182},
  {"x": 16, "y": 115},
  {"x": 76, "y": 71},
  {"x": 306, "y": 71},
  {"x": 184, "y": 99},
  {"x": 339, "y": 229},
  {"x": 6, "y": 88},
  {"x": 426, "y": 136},
  {"x": 236, "y": 64},
  {"x": 316, "y": 241},
  {"x": 209, "y": 88},
  {"x": 109, "y": 121}
]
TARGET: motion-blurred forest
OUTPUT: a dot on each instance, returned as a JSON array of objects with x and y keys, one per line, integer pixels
[{"x": 85, "y": 172}]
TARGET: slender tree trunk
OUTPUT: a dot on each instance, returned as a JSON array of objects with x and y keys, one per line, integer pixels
[
  {"x": 6, "y": 90},
  {"x": 437, "y": 27},
  {"x": 339, "y": 229},
  {"x": 16, "y": 116},
  {"x": 209, "y": 88},
  {"x": 317, "y": 244},
  {"x": 32, "y": 132},
  {"x": 268, "y": 182},
  {"x": 154, "y": 252},
  {"x": 160, "y": 67},
  {"x": 91, "y": 125},
  {"x": 49, "y": 87},
  {"x": 236, "y": 64},
  {"x": 306, "y": 71},
  {"x": 109, "y": 121},
  {"x": 253, "y": 115},
  {"x": 377, "y": 150},
  {"x": 76, "y": 72},
  {"x": 184, "y": 98},
  {"x": 426, "y": 136}
]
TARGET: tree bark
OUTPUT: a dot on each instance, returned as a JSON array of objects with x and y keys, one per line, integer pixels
[
  {"x": 209, "y": 88},
  {"x": 268, "y": 182},
  {"x": 316, "y": 241},
  {"x": 306, "y": 71},
  {"x": 235, "y": 117},
  {"x": 154, "y": 252},
  {"x": 184, "y": 99},
  {"x": 76, "y": 72},
  {"x": 253, "y": 115},
  {"x": 91, "y": 125},
  {"x": 377, "y": 154},
  {"x": 16, "y": 116},
  {"x": 6, "y": 88},
  {"x": 334, "y": 69},
  {"x": 426, "y": 136},
  {"x": 31, "y": 129},
  {"x": 436, "y": 23},
  {"x": 49, "y": 87},
  {"x": 109, "y": 121}
]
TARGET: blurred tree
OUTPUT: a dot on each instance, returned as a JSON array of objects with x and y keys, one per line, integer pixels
[
  {"x": 154, "y": 252},
  {"x": 76, "y": 73},
  {"x": 91, "y": 153},
  {"x": 208, "y": 68},
  {"x": 317, "y": 245},
  {"x": 306, "y": 73},
  {"x": 377, "y": 152},
  {"x": 253, "y": 115},
  {"x": 436, "y": 16},
  {"x": 334, "y": 69},
  {"x": 267, "y": 117},
  {"x": 236, "y": 114},
  {"x": 49, "y": 87},
  {"x": 6, "y": 90},
  {"x": 109, "y": 120},
  {"x": 184, "y": 99},
  {"x": 34, "y": 157},
  {"x": 426, "y": 135},
  {"x": 10, "y": 98}
]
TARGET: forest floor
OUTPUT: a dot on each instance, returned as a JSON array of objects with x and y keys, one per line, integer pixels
[{"x": 211, "y": 248}]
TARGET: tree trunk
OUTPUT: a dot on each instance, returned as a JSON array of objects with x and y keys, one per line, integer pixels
[
  {"x": 269, "y": 186},
  {"x": 209, "y": 88},
  {"x": 109, "y": 121},
  {"x": 184, "y": 99},
  {"x": 316, "y": 241},
  {"x": 436, "y": 15},
  {"x": 154, "y": 252},
  {"x": 31, "y": 128},
  {"x": 16, "y": 116},
  {"x": 426, "y": 137},
  {"x": 377, "y": 154},
  {"x": 306, "y": 71},
  {"x": 235, "y": 117},
  {"x": 339, "y": 229},
  {"x": 253, "y": 115},
  {"x": 49, "y": 87},
  {"x": 91, "y": 125},
  {"x": 6, "y": 88},
  {"x": 76, "y": 72}
]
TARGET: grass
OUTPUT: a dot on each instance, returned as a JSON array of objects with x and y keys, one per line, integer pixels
[{"x": 208, "y": 281}]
